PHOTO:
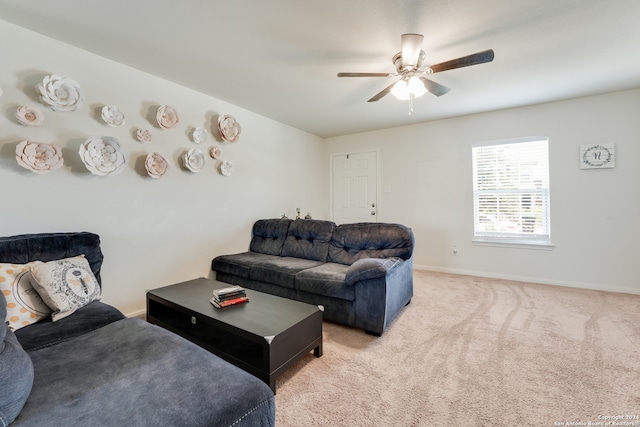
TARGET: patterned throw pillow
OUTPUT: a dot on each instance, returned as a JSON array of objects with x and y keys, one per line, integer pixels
[
  {"x": 65, "y": 285},
  {"x": 24, "y": 304}
]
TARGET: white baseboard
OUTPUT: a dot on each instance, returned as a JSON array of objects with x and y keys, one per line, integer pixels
[
  {"x": 541, "y": 280},
  {"x": 140, "y": 314}
]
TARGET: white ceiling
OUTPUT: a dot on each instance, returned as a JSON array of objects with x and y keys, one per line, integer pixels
[{"x": 279, "y": 58}]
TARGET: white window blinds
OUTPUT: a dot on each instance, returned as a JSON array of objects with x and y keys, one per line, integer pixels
[{"x": 511, "y": 190}]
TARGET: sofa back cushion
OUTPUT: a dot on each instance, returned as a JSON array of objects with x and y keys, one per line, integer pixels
[
  {"x": 52, "y": 246},
  {"x": 268, "y": 236},
  {"x": 309, "y": 239},
  {"x": 351, "y": 242}
]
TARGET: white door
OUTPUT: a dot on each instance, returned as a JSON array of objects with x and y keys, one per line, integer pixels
[{"x": 355, "y": 188}]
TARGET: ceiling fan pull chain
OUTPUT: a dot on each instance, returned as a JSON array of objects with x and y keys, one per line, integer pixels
[{"x": 410, "y": 103}]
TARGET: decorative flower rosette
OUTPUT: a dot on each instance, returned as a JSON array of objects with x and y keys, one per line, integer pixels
[
  {"x": 156, "y": 165},
  {"x": 193, "y": 160},
  {"x": 112, "y": 116},
  {"x": 229, "y": 128},
  {"x": 29, "y": 116},
  {"x": 60, "y": 93},
  {"x": 215, "y": 152},
  {"x": 200, "y": 135},
  {"x": 144, "y": 135},
  {"x": 226, "y": 168},
  {"x": 39, "y": 157},
  {"x": 102, "y": 155},
  {"x": 167, "y": 117}
]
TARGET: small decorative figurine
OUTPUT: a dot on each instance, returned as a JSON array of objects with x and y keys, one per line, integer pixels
[{"x": 297, "y": 213}]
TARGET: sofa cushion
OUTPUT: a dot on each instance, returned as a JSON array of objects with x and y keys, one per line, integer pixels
[
  {"x": 268, "y": 236},
  {"x": 326, "y": 279},
  {"x": 86, "y": 319},
  {"x": 280, "y": 271},
  {"x": 351, "y": 242},
  {"x": 65, "y": 285},
  {"x": 309, "y": 239},
  {"x": 24, "y": 305},
  {"x": 45, "y": 247},
  {"x": 132, "y": 373},
  {"x": 240, "y": 264},
  {"x": 16, "y": 372}
]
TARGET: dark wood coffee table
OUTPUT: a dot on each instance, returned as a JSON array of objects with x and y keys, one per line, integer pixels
[{"x": 264, "y": 336}]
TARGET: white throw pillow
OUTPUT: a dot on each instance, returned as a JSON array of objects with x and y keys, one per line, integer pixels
[
  {"x": 24, "y": 304},
  {"x": 65, "y": 285}
]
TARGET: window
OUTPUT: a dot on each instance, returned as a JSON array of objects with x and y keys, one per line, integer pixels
[{"x": 511, "y": 191}]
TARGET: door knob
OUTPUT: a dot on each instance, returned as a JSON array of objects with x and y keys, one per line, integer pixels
[{"x": 373, "y": 212}]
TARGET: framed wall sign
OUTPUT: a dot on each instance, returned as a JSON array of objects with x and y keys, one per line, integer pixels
[{"x": 597, "y": 156}]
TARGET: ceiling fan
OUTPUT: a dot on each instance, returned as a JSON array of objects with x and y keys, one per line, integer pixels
[{"x": 408, "y": 63}]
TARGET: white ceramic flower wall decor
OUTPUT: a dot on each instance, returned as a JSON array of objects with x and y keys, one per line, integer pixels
[
  {"x": 112, "y": 116},
  {"x": 229, "y": 128},
  {"x": 156, "y": 165},
  {"x": 102, "y": 155},
  {"x": 144, "y": 135},
  {"x": 29, "y": 116},
  {"x": 167, "y": 117},
  {"x": 200, "y": 135},
  {"x": 39, "y": 157},
  {"x": 193, "y": 160},
  {"x": 60, "y": 93},
  {"x": 226, "y": 168}
]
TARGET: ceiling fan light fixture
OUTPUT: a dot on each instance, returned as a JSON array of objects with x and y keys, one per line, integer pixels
[
  {"x": 401, "y": 90},
  {"x": 416, "y": 87}
]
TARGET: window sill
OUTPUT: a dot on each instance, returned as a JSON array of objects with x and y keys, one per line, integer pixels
[{"x": 544, "y": 245}]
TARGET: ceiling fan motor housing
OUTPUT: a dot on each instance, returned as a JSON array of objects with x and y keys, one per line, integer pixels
[{"x": 397, "y": 62}]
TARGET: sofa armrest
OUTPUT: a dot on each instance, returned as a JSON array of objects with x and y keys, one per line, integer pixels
[
  {"x": 370, "y": 268},
  {"x": 379, "y": 300}
]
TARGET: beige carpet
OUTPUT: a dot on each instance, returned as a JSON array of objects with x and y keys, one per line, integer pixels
[{"x": 471, "y": 351}]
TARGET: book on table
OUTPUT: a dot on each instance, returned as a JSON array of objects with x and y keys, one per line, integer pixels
[
  {"x": 229, "y": 302},
  {"x": 231, "y": 295},
  {"x": 228, "y": 293}
]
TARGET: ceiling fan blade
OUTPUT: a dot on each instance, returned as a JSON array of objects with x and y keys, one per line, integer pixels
[
  {"x": 465, "y": 61},
  {"x": 435, "y": 88},
  {"x": 411, "y": 47},
  {"x": 365, "y": 75},
  {"x": 382, "y": 93}
]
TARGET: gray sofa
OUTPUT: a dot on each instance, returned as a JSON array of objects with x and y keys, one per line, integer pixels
[
  {"x": 360, "y": 273},
  {"x": 97, "y": 368}
]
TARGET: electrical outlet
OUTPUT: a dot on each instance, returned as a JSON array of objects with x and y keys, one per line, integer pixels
[{"x": 455, "y": 250}]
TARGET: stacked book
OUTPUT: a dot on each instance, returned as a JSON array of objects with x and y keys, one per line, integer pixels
[{"x": 229, "y": 296}]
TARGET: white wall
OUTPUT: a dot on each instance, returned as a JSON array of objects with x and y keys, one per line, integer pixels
[
  {"x": 154, "y": 232},
  {"x": 595, "y": 214}
]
